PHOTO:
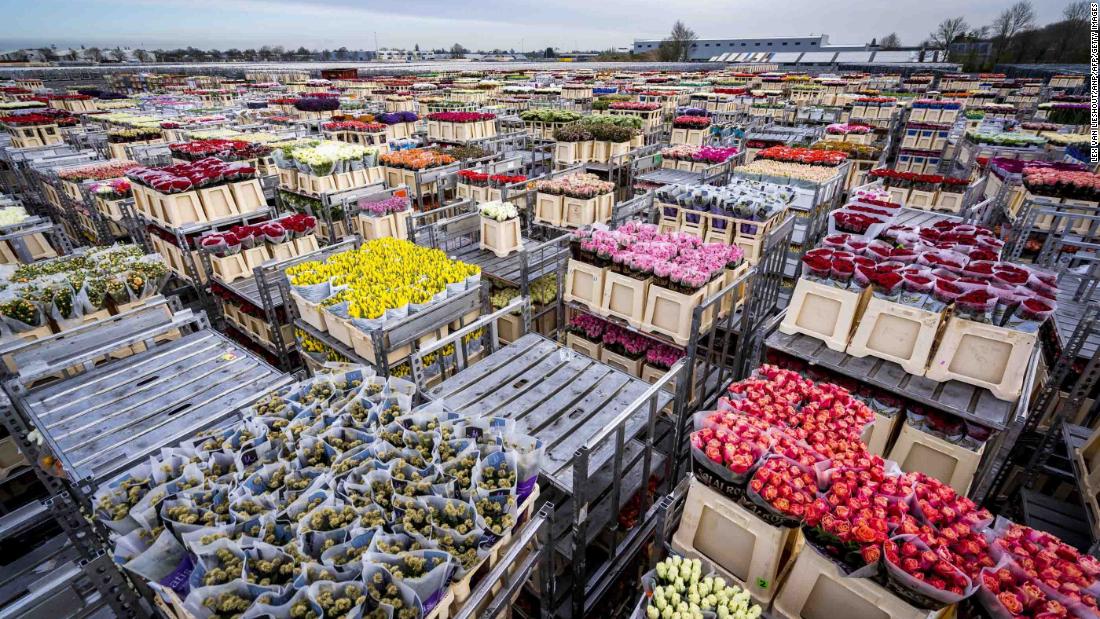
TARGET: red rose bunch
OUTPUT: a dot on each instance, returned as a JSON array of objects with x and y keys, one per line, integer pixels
[
  {"x": 732, "y": 441},
  {"x": 786, "y": 486},
  {"x": 226, "y": 150},
  {"x": 1007, "y": 591},
  {"x": 810, "y": 156},
  {"x": 506, "y": 179},
  {"x": 1052, "y": 562},
  {"x": 299, "y": 225},
  {"x": 357, "y": 126},
  {"x": 473, "y": 177},
  {"x": 274, "y": 232},
  {"x": 854, "y": 222},
  {"x": 45, "y": 117},
  {"x": 691, "y": 122},
  {"x": 913, "y": 557},
  {"x": 461, "y": 117},
  {"x": 185, "y": 176}
]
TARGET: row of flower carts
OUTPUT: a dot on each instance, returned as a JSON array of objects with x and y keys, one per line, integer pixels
[{"x": 543, "y": 348}]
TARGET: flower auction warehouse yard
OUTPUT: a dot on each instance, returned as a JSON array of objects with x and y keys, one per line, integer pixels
[{"x": 727, "y": 340}]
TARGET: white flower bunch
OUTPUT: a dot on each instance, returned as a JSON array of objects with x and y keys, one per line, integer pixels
[
  {"x": 12, "y": 215},
  {"x": 500, "y": 211},
  {"x": 328, "y": 152},
  {"x": 682, "y": 593}
]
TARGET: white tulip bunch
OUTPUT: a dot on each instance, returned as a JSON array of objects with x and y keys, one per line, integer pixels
[{"x": 682, "y": 593}]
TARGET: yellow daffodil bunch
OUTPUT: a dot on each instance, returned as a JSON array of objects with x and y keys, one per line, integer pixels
[{"x": 383, "y": 274}]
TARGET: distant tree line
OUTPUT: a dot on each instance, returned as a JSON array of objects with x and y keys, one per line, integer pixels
[{"x": 1015, "y": 38}]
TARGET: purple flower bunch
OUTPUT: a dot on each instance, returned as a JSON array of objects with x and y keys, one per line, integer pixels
[
  {"x": 317, "y": 104},
  {"x": 690, "y": 111},
  {"x": 663, "y": 356},
  {"x": 381, "y": 208},
  {"x": 392, "y": 118}
]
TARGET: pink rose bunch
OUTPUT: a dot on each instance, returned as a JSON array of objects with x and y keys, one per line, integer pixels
[
  {"x": 847, "y": 128},
  {"x": 581, "y": 186},
  {"x": 99, "y": 171},
  {"x": 381, "y": 208},
  {"x": 705, "y": 154}
]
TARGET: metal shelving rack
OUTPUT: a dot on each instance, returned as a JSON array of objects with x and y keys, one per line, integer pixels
[
  {"x": 599, "y": 425},
  {"x": 15, "y": 235},
  {"x": 262, "y": 290},
  {"x": 82, "y": 431},
  {"x": 406, "y": 331},
  {"x": 341, "y": 201}
]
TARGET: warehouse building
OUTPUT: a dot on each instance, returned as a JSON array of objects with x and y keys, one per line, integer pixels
[{"x": 704, "y": 49}]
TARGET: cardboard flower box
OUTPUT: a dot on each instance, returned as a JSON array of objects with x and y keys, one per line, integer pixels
[
  {"x": 229, "y": 269},
  {"x": 734, "y": 542},
  {"x": 308, "y": 310},
  {"x": 283, "y": 251},
  {"x": 577, "y": 212},
  {"x": 339, "y": 328},
  {"x": 178, "y": 209},
  {"x": 896, "y": 332},
  {"x": 693, "y": 137},
  {"x": 363, "y": 344},
  {"x": 509, "y": 328},
  {"x": 569, "y": 153},
  {"x": 371, "y": 228},
  {"x": 670, "y": 313},
  {"x": 288, "y": 179},
  {"x": 877, "y": 434},
  {"x": 601, "y": 151},
  {"x": 316, "y": 185},
  {"x": 217, "y": 202},
  {"x": 255, "y": 256},
  {"x": 950, "y": 202}
]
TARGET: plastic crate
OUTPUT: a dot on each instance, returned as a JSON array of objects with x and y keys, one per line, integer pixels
[
  {"x": 983, "y": 355},
  {"x": 735, "y": 543},
  {"x": 815, "y": 588},
  {"x": 952, "y": 464},
  {"x": 895, "y": 332},
  {"x": 823, "y": 312}
]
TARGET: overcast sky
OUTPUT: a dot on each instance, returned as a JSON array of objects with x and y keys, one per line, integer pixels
[{"x": 484, "y": 24}]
